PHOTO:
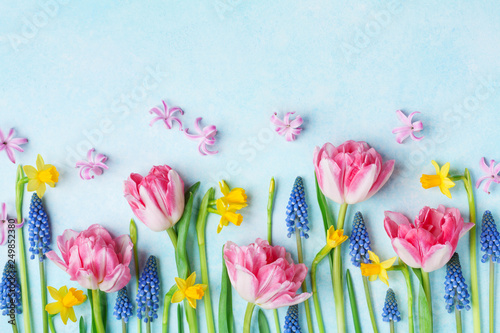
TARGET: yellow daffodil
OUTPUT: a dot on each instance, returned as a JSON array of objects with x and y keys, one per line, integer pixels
[
  {"x": 377, "y": 268},
  {"x": 228, "y": 214},
  {"x": 440, "y": 179},
  {"x": 43, "y": 174},
  {"x": 335, "y": 237},
  {"x": 65, "y": 301},
  {"x": 235, "y": 198},
  {"x": 187, "y": 289}
]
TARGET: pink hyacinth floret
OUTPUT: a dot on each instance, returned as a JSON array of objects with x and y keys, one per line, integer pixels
[
  {"x": 166, "y": 115},
  {"x": 287, "y": 127},
  {"x": 94, "y": 164},
  {"x": 491, "y": 175},
  {"x": 409, "y": 129},
  {"x": 9, "y": 144},
  {"x": 4, "y": 225},
  {"x": 205, "y": 136}
]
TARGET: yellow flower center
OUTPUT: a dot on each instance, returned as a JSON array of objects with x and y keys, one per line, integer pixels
[
  {"x": 370, "y": 269},
  {"x": 47, "y": 176},
  {"x": 429, "y": 181}
]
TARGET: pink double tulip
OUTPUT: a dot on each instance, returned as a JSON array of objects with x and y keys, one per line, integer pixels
[
  {"x": 265, "y": 275},
  {"x": 157, "y": 199},
  {"x": 94, "y": 259},
  {"x": 430, "y": 242},
  {"x": 351, "y": 172}
]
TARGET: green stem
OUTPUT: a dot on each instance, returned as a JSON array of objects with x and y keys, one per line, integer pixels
[
  {"x": 276, "y": 321},
  {"x": 476, "y": 315},
  {"x": 352, "y": 301},
  {"x": 409, "y": 290},
  {"x": 458, "y": 320},
  {"x": 124, "y": 326},
  {"x": 201, "y": 224},
  {"x": 304, "y": 284},
  {"x": 148, "y": 325},
  {"x": 43, "y": 290},
  {"x": 270, "y": 201},
  {"x": 96, "y": 300},
  {"x": 366, "y": 286},
  {"x": 14, "y": 328},
  {"x": 317, "y": 309},
  {"x": 392, "y": 326},
  {"x": 248, "y": 317},
  {"x": 492, "y": 296},
  {"x": 51, "y": 324},
  {"x": 23, "y": 271},
  {"x": 427, "y": 289},
  {"x": 173, "y": 237},
  {"x": 212, "y": 210},
  {"x": 338, "y": 276}
]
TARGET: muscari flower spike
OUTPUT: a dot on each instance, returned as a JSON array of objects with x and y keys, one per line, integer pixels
[
  {"x": 292, "y": 320},
  {"x": 455, "y": 288},
  {"x": 359, "y": 242},
  {"x": 38, "y": 228},
  {"x": 390, "y": 311},
  {"x": 490, "y": 239},
  {"x": 10, "y": 292},
  {"x": 297, "y": 210},
  {"x": 149, "y": 289},
  {"x": 123, "y": 308}
]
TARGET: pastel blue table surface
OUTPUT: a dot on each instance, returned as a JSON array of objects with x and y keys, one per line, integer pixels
[{"x": 77, "y": 75}]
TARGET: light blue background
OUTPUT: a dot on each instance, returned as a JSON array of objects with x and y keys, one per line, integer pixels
[{"x": 67, "y": 71}]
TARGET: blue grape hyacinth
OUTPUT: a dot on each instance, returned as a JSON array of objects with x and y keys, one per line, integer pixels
[
  {"x": 297, "y": 210},
  {"x": 490, "y": 239},
  {"x": 148, "y": 293},
  {"x": 10, "y": 292},
  {"x": 292, "y": 320},
  {"x": 38, "y": 228},
  {"x": 359, "y": 242},
  {"x": 390, "y": 311},
  {"x": 123, "y": 308},
  {"x": 456, "y": 292}
]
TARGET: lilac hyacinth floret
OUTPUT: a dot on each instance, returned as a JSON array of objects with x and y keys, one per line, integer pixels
[
  {"x": 10, "y": 292},
  {"x": 148, "y": 293},
  {"x": 490, "y": 239},
  {"x": 292, "y": 320},
  {"x": 296, "y": 210},
  {"x": 359, "y": 242},
  {"x": 38, "y": 228},
  {"x": 456, "y": 292},
  {"x": 390, "y": 311},
  {"x": 123, "y": 308}
]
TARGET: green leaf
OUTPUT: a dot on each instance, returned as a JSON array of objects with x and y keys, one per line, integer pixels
[
  {"x": 352, "y": 300},
  {"x": 263, "y": 324},
  {"x": 93, "y": 329},
  {"x": 226, "y": 319},
  {"x": 82, "y": 325},
  {"x": 166, "y": 306},
  {"x": 180, "y": 319},
  {"x": 182, "y": 233},
  {"x": 424, "y": 313},
  {"x": 104, "y": 307}
]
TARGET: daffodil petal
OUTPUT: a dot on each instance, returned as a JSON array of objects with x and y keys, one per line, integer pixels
[
  {"x": 54, "y": 293},
  {"x": 191, "y": 279},
  {"x": 54, "y": 308},
  {"x": 181, "y": 284},
  {"x": 30, "y": 171},
  {"x": 388, "y": 263},
  {"x": 177, "y": 297}
]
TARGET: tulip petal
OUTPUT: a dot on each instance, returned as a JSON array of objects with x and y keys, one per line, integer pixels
[
  {"x": 407, "y": 252},
  {"x": 436, "y": 257}
]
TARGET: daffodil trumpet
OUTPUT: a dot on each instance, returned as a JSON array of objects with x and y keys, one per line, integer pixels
[{"x": 333, "y": 239}]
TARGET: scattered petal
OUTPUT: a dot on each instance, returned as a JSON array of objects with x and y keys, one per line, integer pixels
[
  {"x": 94, "y": 164},
  {"x": 491, "y": 175},
  {"x": 9, "y": 144},
  {"x": 286, "y": 127},
  {"x": 167, "y": 115},
  {"x": 205, "y": 136},
  {"x": 409, "y": 129}
]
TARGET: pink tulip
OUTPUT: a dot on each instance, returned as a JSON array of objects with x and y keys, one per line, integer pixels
[
  {"x": 430, "y": 242},
  {"x": 157, "y": 199},
  {"x": 265, "y": 275},
  {"x": 351, "y": 172},
  {"x": 94, "y": 259}
]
